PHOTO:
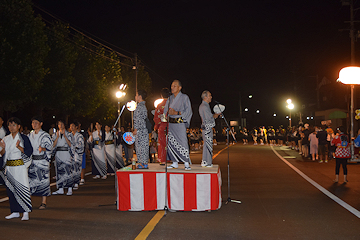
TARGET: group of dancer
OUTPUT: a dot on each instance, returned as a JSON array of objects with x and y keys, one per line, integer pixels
[
  {"x": 25, "y": 159},
  {"x": 25, "y": 163}
]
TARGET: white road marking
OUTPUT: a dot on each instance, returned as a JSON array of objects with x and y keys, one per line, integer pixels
[{"x": 323, "y": 190}]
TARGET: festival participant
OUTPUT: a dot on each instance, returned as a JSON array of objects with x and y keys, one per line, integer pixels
[
  {"x": 99, "y": 168},
  {"x": 85, "y": 134},
  {"x": 342, "y": 153},
  {"x": 140, "y": 131},
  {"x": 77, "y": 152},
  {"x": 245, "y": 136},
  {"x": 255, "y": 135},
  {"x": 63, "y": 162},
  {"x": 161, "y": 125},
  {"x": 178, "y": 107},
  {"x": 3, "y": 131},
  {"x": 110, "y": 154},
  {"x": 208, "y": 122},
  {"x": 39, "y": 170},
  {"x": 16, "y": 150}
]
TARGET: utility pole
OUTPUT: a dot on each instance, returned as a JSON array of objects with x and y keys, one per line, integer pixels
[
  {"x": 352, "y": 52},
  {"x": 352, "y": 32},
  {"x": 135, "y": 67},
  {"x": 136, "y": 72},
  {"x": 241, "y": 122}
]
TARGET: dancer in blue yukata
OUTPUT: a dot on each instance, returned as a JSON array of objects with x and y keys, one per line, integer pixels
[
  {"x": 39, "y": 170},
  {"x": 15, "y": 151}
]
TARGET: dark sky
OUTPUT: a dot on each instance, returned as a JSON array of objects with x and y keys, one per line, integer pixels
[{"x": 266, "y": 48}]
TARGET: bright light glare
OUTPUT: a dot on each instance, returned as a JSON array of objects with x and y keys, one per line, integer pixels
[
  {"x": 157, "y": 102},
  {"x": 349, "y": 75},
  {"x": 120, "y": 94},
  {"x": 288, "y": 101},
  {"x": 307, "y": 118},
  {"x": 290, "y": 106},
  {"x": 250, "y": 96},
  {"x": 287, "y": 116},
  {"x": 131, "y": 106},
  {"x": 246, "y": 109},
  {"x": 274, "y": 115},
  {"x": 258, "y": 111}
]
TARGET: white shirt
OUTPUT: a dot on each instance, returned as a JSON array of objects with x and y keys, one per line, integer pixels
[{"x": 11, "y": 151}]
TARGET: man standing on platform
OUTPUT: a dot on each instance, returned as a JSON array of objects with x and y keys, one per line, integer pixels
[
  {"x": 208, "y": 122},
  {"x": 160, "y": 126},
  {"x": 178, "y": 108},
  {"x": 140, "y": 130}
]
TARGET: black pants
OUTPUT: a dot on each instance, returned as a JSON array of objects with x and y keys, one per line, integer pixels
[{"x": 343, "y": 162}]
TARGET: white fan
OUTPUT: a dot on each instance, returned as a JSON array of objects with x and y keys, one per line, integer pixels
[{"x": 219, "y": 108}]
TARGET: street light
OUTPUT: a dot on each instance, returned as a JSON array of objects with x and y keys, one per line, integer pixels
[
  {"x": 350, "y": 76},
  {"x": 290, "y": 106},
  {"x": 119, "y": 94}
]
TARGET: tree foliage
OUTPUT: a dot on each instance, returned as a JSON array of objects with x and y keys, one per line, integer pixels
[
  {"x": 22, "y": 52},
  {"x": 58, "y": 71},
  {"x": 58, "y": 85}
]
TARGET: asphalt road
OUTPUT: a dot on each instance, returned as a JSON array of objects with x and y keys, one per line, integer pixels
[{"x": 277, "y": 203}]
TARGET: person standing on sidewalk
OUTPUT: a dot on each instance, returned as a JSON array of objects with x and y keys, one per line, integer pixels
[
  {"x": 342, "y": 152},
  {"x": 208, "y": 122},
  {"x": 314, "y": 144},
  {"x": 323, "y": 144}
]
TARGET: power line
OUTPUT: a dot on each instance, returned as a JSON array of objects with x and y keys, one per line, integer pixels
[
  {"x": 101, "y": 44},
  {"x": 58, "y": 19}
]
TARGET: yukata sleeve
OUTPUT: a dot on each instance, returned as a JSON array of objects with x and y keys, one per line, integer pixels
[
  {"x": 186, "y": 114},
  {"x": 166, "y": 108},
  {"x": 80, "y": 145},
  {"x": 140, "y": 116},
  {"x": 70, "y": 137},
  {"x": 47, "y": 143},
  {"x": 28, "y": 150},
  {"x": 137, "y": 118},
  {"x": 143, "y": 116},
  {"x": 209, "y": 120}
]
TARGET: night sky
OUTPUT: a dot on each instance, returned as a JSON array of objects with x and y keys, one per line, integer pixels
[{"x": 270, "y": 49}]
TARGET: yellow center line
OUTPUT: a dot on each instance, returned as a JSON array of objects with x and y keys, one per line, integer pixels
[
  {"x": 150, "y": 226},
  {"x": 156, "y": 219},
  {"x": 219, "y": 152}
]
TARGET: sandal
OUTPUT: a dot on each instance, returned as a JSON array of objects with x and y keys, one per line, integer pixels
[
  {"x": 42, "y": 206},
  {"x": 142, "y": 166}
]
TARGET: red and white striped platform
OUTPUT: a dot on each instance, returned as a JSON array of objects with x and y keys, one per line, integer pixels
[{"x": 144, "y": 190}]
